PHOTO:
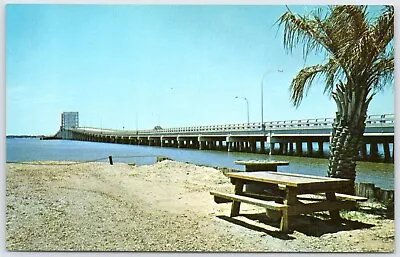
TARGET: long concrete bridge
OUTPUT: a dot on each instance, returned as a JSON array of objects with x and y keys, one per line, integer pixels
[{"x": 274, "y": 137}]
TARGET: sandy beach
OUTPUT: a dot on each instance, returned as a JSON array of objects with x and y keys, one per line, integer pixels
[{"x": 61, "y": 206}]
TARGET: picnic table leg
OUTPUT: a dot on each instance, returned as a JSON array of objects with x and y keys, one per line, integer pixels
[
  {"x": 290, "y": 199},
  {"x": 335, "y": 216},
  {"x": 235, "y": 204},
  {"x": 284, "y": 226}
]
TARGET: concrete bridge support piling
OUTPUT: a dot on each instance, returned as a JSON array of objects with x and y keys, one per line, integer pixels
[
  {"x": 309, "y": 149},
  {"x": 284, "y": 143},
  {"x": 363, "y": 151},
  {"x": 271, "y": 148},
  {"x": 262, "y": 146},
  {"x": 214, "y": 145},
  {"x": 183, "y": 141},
  {"x": 202, "y": 145},
  {"x": 196, "y": 144},
  {"x": 320, "y": 148},
  {"x": 386, "y": 151},
  {"x": 253, "y": 146},
  {"x": 286, "y": 148},
  {"x": 210, "y": 145},
  {"x": 373, "y": 151},
  {"x": 221, "y": 146},
  {"x": 299, "y": 148},
  {"x": 281, "y": 146},
  {"x": 291, "y": 149}
]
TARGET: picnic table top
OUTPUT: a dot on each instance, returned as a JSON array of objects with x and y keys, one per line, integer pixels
[
  {"x": 261, "y": 162},
  {"x": 299, "y": 181}
]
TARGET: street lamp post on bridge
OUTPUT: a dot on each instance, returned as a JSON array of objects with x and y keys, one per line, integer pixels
[
  {"x": 262, "y": 102},
  {"x": 262, "y": 95},
  {"x": 247, "y": 104}
]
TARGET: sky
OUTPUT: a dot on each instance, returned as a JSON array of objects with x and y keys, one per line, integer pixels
[{"x": 137, "y": 66}]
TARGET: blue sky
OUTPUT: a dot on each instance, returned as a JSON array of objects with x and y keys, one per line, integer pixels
[{"x": 138, "y": 66}]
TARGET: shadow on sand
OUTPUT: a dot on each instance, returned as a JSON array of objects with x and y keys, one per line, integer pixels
[
  {"x": 385, "y": 212},
  {"x": 306, "y": 224},
  {"x": 245, "y": 224}
]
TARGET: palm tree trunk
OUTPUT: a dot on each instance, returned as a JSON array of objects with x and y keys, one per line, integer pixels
[
  {"x": 347, "y": 134},
  {"x": 344, "y": 147}
]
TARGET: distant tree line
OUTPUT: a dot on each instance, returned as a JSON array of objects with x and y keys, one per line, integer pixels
[{"x": 24, "y": 136}]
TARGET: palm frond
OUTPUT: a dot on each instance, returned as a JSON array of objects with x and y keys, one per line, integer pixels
[
  {"x": 382, "y": 31},
  {"x": 301, "y": 83},
  {"x": 333, "y": 73},
  {"x": 301, "y": 30},
  {"x": 382, "y": 73},
  {"x": 352, "y": 30}
]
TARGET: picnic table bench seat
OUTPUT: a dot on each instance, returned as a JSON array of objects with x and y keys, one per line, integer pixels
[
  {"x": 351, "y": 197},
  {"x": 269, "y": 196},
  {"x": 339, "y": 196},
  {"x": 246, "y": 199},
  {"x": 267, "y": 203}
]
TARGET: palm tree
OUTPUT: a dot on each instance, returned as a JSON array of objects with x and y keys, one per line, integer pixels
[{"x": 359, "y": 63}]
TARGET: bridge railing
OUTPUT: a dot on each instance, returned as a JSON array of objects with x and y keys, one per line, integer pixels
[
  {"x": 380, "y": 119},
  {"x": 254, "y": 126},
  {"x": 371, "y": 121}
]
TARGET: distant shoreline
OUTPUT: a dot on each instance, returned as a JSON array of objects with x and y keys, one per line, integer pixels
[{"x": 23, "y": 136}]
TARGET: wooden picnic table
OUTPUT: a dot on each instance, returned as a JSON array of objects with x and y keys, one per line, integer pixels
[
  {"x": 295, "y": 188},
  {"x": 261, "y": 165}
]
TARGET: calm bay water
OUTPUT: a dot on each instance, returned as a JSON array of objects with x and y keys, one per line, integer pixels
[{"x": 33, "y": 149}]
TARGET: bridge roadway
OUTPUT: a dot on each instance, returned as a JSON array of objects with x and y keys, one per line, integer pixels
[{"x": 249, "y": 137}]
